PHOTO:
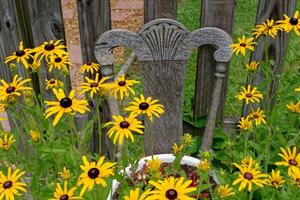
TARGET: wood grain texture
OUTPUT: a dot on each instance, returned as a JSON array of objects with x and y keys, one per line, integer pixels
[
  {"x": 154, "y": 9},
  {"x": 214, "y": 13},
  {"x": 273, "y": 9}
]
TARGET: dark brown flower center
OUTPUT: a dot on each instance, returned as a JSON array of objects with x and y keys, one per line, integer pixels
[
  {"x": 65, "y": 102},
  {"x": 293, "y": 162},
  {"x": 94, "y": 85},
  {"x": 93, "y": 173},
  {"x": 58, "y": 59},
  {"x": 297, "y": 180},
  {"x": 243, "y": 44},
  {"x": 64, "y": 197},
  {"x": 124, "y": 124},
  {"x": 144, "y": 106},
  {"x": 49, "y": 47},
  {"x": 20, "y": 53},
  {"x": 248, "y": 95},
  {"x": 7, "y": 184},
  {"x": 294, "y": 21},
  {"x": 248, "y": 176},
  {"x": 122, "y": 83},
  {"x": 52, "y": 82},
  {"x": 255, "y": 116},
  {"x": 10, "y": 89},
  {"x": 171, "y": 194},
  {"x": 275, "y": 183},
  {"x": 89, "y": 63}
]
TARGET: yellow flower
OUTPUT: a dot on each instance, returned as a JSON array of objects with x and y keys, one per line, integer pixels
[
  {"x": 122, "y": 86},
  {"x": 135, "y": 195},
  {"x": 295, "y": 108},
  {"x": 249, "y": 160},
  {"x": 90, "y": 67},
  {"x": 177, "y": 149},
  {"x": 146, "y": 106},
  {"x": 242, "y": 45},
  {"x": 249, "y": 176},
  {"x": 267, "y": 28},
  {"x": 94, "y": 86},
  {"x": 6, "y": 141},
  {"x": 2, "y": 119},
  {"x": 245, "y": 124},
  {"x": 122, "y": 127},
  {"x": 65, "y": 105},
  {"x": 171, "y": 188},
  {"x": 297, "y": 89},
  {"x": 258, "y": 116},
  {"x": 289, "y": 24},
  {"x": 3, "y": 107},
  {"x": 51, "y": 48},
  {"x": 10, "y": 186},
  {"x": 275, "y": 180},
  {"x": 187, "y": 139},
  {"x": 249, "y": 95},
  {"x": 65, "y": 174},
  {"x": 154, "y": 165},
  {"x": 252, "y": 66},
  {"x": 94, "y": 173},
  {"x": 290, "y": 157},
  {"x": 35, "y": 135},
  {"x": 58, "y": 62},
  {"x": 295, "y": 174},
  {"x": 10, "y": 90},
  {"x": 52, "y": 83},
  {"x": 36, "y": 64},
  {"x": 63, "y": 193},
  {"x": 21, "y": 55},
  {"x": 204, "y": 165},
  {"x": 224, "y": 191}
]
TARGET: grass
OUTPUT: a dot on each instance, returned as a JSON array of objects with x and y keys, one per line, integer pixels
[{"x": 189, "y": 15}]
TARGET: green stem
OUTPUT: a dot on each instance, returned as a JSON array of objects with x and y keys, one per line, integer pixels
[
  {"x": 210, "y": 189},
  {"x": 246, "y": 143},
  {"x": 250, "y": 195},
  {"x": 200, "y": 185},
  {"x": 149, "y": 132},
  {"x": 98, "y": 103},
  {"x": 268, "y": 145}
]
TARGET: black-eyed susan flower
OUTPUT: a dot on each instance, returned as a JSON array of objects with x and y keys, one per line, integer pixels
[
  {"x": 275, "y": 180},
  {"x": 249, "y": 176},
  {"x": 90, "y": 67},
  {"x": 123, "y": 127},
  {"x": 51, "y": 48},
  {"x": 257, "y": 116},
  {"x": 65, "y": 174},
  {"x": 13, "y": 89},
  {"x": 10, "y": 186},
  {"x": 35, "y": 64},
  {"x": 94, "y": 86},
  {"x": 21, "y": 55},
  {"x": 146, "y": 106},
  {"x": 245, "y": 124},
  {"x": 242, "y": 45},
  {"x": 289, "y": 24},
  {"x": 65, "y": 104},
  {"x": 58, "y": 62},
  {"x": 135, "y": 195},
  {"x": 177, "y": 149},
  {"x": 267, "y": 28},
  {"x": 171, "y": 188},
  {"x": 64, "y": 193},
  {"x": 6, "y": 141},
  {"x": 294, "y": 108},
  {"x": 251, "y": 67},
  {"x": 295, "y": 174},
  {"x": 52, "y": 83},
  {"x": 297, "y": 89},
  {"x": 154, "y": 165},
  {"x": 249, "y": 160},
  {"x": 35, "y": 135},
  {"x": 249, "y": 95},
  {"x": 122, "y": 87},
  {"x": 291, "y": 158},
  {"x": 94, "y": 173},
  {"x": 204, "y": 165},
  {"x": 224, "y": 191}
]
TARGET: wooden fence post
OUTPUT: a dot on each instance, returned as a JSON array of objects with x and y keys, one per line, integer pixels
[
  {"x": 94, "y": 19},
  {"x": 271, "y": 9},
  {"x": 154, "y": 9},
  {"x": 214, "y": 13}
]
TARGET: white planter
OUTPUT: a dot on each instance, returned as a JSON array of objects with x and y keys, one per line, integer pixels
[{"x": 165, "y": 158}]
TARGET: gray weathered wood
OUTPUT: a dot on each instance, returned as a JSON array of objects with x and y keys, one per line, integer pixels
[
  {"x": 163, "y": 47},
  {"x": 273, "y": 9},
  {"x": 154, "y": 9},
  {"x": 214, "y": 13}
]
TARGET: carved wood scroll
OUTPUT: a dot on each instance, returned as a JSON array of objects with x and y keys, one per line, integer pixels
[{"x": 163, "y": 47}]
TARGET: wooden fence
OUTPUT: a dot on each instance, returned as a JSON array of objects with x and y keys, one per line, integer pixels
[{"x": 35, "y": 21}]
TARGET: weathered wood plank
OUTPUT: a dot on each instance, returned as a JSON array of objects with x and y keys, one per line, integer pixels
[
  {"x": 273, "y": 9},
  {"x": 214, "y": 13},
  {"x": 154, "y": 9}
]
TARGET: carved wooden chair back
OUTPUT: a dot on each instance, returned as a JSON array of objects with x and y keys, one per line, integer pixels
[{"x": 162, "y": 47}]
